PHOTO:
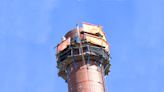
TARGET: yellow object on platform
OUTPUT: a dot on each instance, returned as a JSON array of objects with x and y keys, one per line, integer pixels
[
  {"x": 93, "y": 29},
  {"x": 97, "y": 41}
]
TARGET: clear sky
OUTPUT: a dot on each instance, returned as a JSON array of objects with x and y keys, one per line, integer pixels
[{"x": 29, "y": 29}]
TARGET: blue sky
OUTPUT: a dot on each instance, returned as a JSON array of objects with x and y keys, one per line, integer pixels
[{"x": 29, "y": 29}]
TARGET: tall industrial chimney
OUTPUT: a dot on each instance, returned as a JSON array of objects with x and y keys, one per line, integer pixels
[{"x": 83, "y": 59}]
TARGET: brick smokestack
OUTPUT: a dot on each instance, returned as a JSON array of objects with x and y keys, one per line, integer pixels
[{"x": 83, "y": 59}]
